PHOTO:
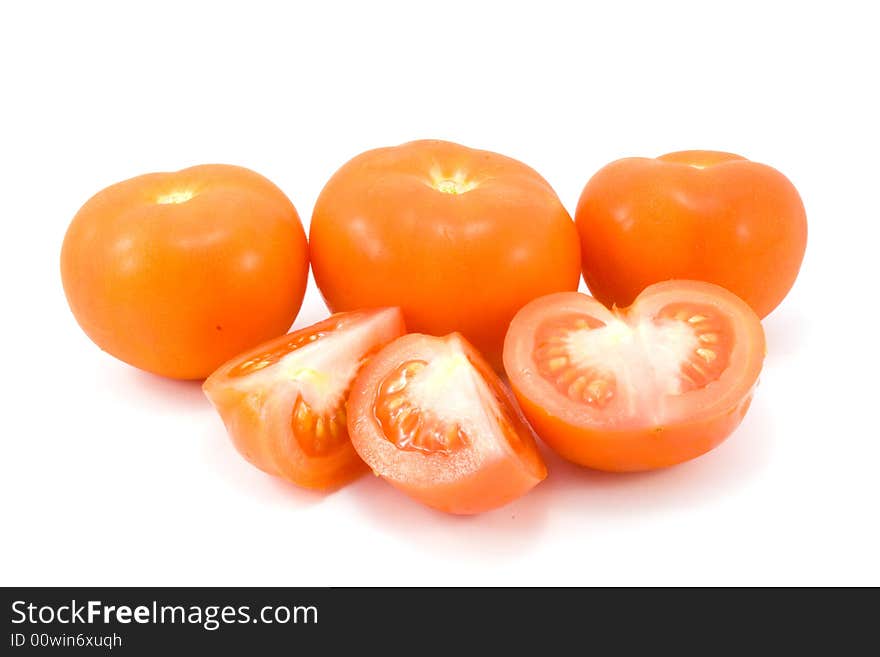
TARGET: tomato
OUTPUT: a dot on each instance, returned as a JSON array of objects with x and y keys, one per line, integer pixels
[
  {"x": 458, "y": 238},
  {"x": 283, "y": 403},
  {"x": 655, "y": 384},
  {"x": 175, "y": 273},
  {"x": 431, "y": 416},
  {"x": 701, "y": 215}
]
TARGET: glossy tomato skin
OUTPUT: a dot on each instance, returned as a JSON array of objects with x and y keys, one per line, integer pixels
[
  {"x": 633, "y": 450},
  {"x": 488, "y": 473},
  {"x": 175, "y": 273},
  {"x": 258, "y": 415},
  {"x": 702, "y": 215},
  {"x": 637, "y": 444},
  {"x": 384, "y": 232}
]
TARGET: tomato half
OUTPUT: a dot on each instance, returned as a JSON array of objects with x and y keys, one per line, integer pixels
[
  {"x": 283, "y": 403},
  {"x": 459, "y": 238},
  {"x": 175, "y": 273},
  {"x": 431, "y": 416},
  {"x": 655, "y": 384},
  {"x": 701, "y": 215}
]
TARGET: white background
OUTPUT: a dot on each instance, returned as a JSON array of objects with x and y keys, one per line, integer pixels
[{"x": 110, "y": 476}]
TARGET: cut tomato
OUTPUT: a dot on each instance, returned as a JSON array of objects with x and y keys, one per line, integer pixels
[
  {"x": 431, "y": 416},
  {"x": 283, "y": 403},
  {"x": 655, "y": 384}
]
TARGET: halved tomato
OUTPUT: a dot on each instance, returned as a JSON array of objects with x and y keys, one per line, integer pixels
[
  {"x": 658, "y": 383},
  {"x": 431, "y": 416},
  {"x": 283, "y": 403}
]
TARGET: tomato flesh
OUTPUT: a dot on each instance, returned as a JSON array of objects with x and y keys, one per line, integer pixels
[
  {"x": 627, "y": 365},
  {"x": 319, "y": 433},
  {"x": 283, "y": 403},
  {"x": 681, "y": 363},
  {"x": 405, "y": 425},
  {"x": 430, "y": 416},
  {"x": 271, "y": 356}
]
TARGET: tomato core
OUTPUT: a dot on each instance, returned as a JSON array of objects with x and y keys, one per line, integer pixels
[
  {"x": 711, "y": 352},
  {"x": 682, "y": 347},
  {"x": 700, "y": 159},
  {"x": 428, "y": 406},
  {"x": 405, "y": 424},
  {"x": 457, "y": 183}
]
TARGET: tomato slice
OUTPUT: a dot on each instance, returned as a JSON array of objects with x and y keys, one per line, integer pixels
[
  {"x": 283, "y": 403},
  {"x": 431, "y": 416},
  {"x": 658, "y": 383}
]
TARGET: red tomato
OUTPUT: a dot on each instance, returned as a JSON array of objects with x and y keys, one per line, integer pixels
[
  {"x": 431, "y": 416},
  {"x": 701, "y": 215},
  {"x": 655, "y": 384},
  {"x": 458, "y": 238},
  {"x": 283, "y": 403},
  {"x": 177, "y": 272}
]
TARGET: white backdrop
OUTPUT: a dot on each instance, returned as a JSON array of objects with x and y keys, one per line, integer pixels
[{"x": 110, "y": 476}]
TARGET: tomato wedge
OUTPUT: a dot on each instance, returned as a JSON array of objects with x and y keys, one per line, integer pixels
[
  {"x": 656, "y": 384},
  {"x": 431, "y": 416},
  {"x": 283, "y": 403}
]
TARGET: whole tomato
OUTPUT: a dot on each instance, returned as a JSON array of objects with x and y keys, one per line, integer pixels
[
  {"x": 703, "y": 215},
  {"x": 460, "y": 239},
  {"x": 175, "y": 273}
]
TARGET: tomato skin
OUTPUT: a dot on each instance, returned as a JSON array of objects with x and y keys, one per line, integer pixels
[
  {"x": 477, "y": 479},
  {"x": 633, "y": 450},
  {"x": 615, "y": 446},
  {"x": 382, "y": 234},
  {"x": 258, "y": 418},
  {"x": 701, "y": 215},
  {"x": 177, "y": 286}
]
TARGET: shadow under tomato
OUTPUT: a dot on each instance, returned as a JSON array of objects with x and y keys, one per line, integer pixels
[
  {"x": 151, "y": 389},
  {"x": 574, "y": 497},
  {"x": 221, "y": 458},
  {"x": 174, "y": 397},
  {"x": 502, "y": 532},
  {"x": 597, "y": 495},
  {"x": 786, "y": 332}
]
